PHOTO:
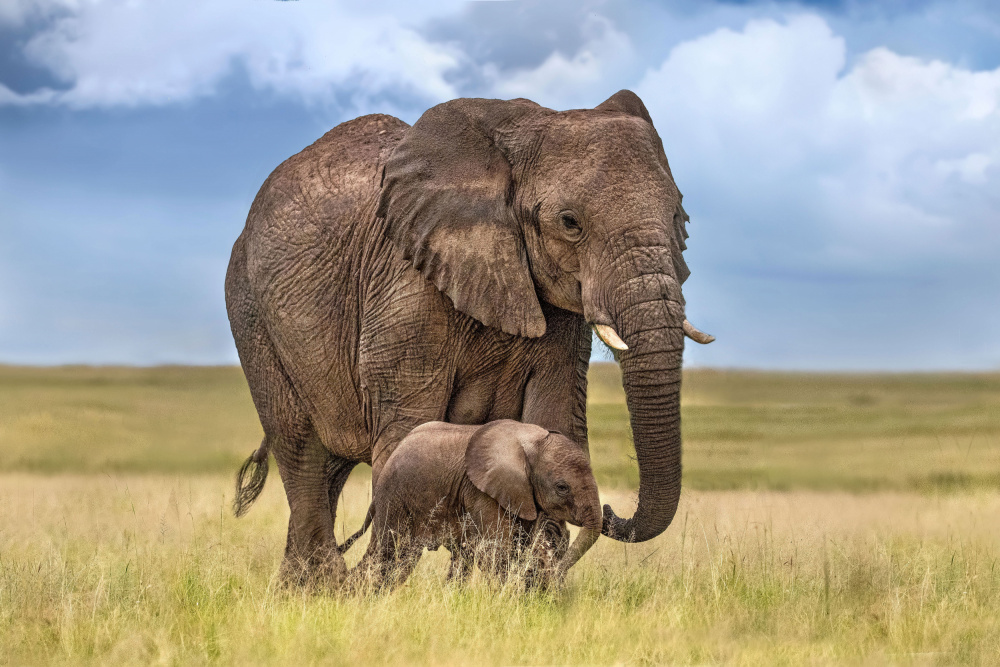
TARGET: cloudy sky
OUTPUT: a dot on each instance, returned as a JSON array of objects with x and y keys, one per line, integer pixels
[{"x": 840, "y": 160}]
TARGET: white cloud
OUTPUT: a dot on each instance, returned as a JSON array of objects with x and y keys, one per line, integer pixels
[
  {"x": 828, "y": 188},
  {"x": 884, "y": 165},
  {"x": 971, "y": 168},
  {"x": 564, "y": 82},
  {"x": 135, "y": 52}
]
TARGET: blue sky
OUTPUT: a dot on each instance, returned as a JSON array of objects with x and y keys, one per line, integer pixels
[{"x": 840, "y": 160}]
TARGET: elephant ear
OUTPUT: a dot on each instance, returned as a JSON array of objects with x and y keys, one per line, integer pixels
[
  {"x": 627, "y": 102},
  {"x": 497, "y": 463},
  {"x": 448, "y": 202}
]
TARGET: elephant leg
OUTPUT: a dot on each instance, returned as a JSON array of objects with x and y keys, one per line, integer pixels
[
  {"x": 313, "y": 479},
  {"x": 372, "y": 570},
  {"x": 549, "y": 543},
  {"x": 406, "y": 561},
  {"x": 392, "y": 553},
  {"x": 556, "y": 395},
  {"x": 460, "y": 566},
  {"x": 497, "y": 548}
]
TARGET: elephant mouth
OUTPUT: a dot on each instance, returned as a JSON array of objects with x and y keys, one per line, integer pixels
[{"x": 610, "y": 337}]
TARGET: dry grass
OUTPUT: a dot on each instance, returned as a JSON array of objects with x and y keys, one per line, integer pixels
[
  {"x": 153, "y": 569},
  {"x": 783, "y": 431},
  {"x": 826, "y": 519}
]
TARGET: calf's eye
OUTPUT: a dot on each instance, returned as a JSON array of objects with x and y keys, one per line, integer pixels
[{"x": 562, "y": 488}]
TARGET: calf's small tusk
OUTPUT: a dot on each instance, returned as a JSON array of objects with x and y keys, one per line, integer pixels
[
  {"x": 695, "y": 335},
  {"x": 609, "y": 337}
]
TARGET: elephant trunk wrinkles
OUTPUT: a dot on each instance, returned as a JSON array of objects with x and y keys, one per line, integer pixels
[
  {"x": 651, "y": 321},
  {"x": 590, "y": 530}
]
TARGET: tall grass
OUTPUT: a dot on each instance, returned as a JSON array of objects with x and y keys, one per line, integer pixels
[
  {"x": 117, "y": 544},
  {"x": 140, "y": 569}
]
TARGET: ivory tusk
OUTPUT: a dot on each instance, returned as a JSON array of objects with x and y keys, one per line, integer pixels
[
  {"x": 695, "y": 335},
  {"x": 610, "y": 337}
]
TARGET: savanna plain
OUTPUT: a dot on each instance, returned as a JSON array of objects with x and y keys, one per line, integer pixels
[{"x": 824, "y": 519}]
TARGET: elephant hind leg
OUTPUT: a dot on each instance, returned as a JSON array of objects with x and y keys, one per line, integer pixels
[
  {"x": 313, "y": 479},
  {"x": 391, "y": 557}
]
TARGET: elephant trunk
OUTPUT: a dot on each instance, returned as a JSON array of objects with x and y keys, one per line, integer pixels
[
  {"x": 647, "y": 308},
  {"x": 590, "y": 530}
]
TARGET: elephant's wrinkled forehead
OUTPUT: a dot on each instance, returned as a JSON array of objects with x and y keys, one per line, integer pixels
[
  {"x": 600, "y": 150},
  {"x": 617, "y": 139}
]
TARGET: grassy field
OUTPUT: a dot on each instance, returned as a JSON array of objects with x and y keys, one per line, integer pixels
[
  {"x": 742, "y": 430},
  {"x": 825, "y": 519}
]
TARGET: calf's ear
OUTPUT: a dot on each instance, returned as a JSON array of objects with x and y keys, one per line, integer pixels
[{"x": 496, "y": 462}]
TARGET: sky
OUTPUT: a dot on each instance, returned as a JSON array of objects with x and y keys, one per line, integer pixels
[{"x": 840, "y": 160}]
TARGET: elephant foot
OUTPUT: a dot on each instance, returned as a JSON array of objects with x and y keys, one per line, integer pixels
[
  {"x": 320, "y": 573},
  {"x": 372, "y": 578},
  {"x": 549, "y": 543}
]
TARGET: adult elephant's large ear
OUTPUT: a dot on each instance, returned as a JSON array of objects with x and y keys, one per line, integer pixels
[
  {"x": 497, "y": 463},
  {"x": 625, "y": 101},
  {"x": 448, "y": 201}
]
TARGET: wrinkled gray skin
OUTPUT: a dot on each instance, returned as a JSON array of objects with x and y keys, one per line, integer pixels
[
  {"x": 391, "y": 275},
  {"x": 479, "y": 491}
]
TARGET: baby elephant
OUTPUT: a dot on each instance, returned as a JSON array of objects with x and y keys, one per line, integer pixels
[{"x": 488, "y": 492}]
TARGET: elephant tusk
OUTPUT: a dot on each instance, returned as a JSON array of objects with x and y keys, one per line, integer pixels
[
  {"x": 610, "y": 337},
  {"x": 697, "y": 336}
]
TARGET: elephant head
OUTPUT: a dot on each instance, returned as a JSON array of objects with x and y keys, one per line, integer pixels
[
  {"x": 523, "y": 466},
  {"x": 505, "y": 204}
]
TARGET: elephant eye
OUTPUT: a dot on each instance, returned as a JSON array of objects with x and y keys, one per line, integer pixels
[
  {"x": 571, "y": 224},
  {"x": 562, "y": 488}
]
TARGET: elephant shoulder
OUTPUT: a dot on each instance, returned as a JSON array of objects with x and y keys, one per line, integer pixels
[
  {"x": 365, "y": 137},
  {"x": 309, "y": 208},
  {"x": 345, "y": 159}
]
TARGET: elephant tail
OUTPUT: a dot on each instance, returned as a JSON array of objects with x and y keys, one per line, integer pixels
[
  {"x": 250, "y": 479},
  {"x": 356, "y": 536}
]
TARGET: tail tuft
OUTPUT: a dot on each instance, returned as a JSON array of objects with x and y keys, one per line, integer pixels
[{"x": 250, "y": 480}]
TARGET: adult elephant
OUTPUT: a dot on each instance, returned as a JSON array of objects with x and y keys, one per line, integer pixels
[{"x": 391, "y": 275}]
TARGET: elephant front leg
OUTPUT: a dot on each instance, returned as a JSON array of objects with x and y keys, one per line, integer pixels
[
  {"x": 312, "y": 478},
  {"x": 549, "y": 543},
  {"x": 556, "y": 395},
  {"x": 461, "y": 564}
]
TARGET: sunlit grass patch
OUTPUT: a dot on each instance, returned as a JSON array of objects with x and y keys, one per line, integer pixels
[
  {"x": 824, "y": 519},
  {"x": 153, "y": 569},
  {"x": 926, "y": 433}
]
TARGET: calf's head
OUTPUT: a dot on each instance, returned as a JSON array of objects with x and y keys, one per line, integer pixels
[{"x": 526, "y": 468}]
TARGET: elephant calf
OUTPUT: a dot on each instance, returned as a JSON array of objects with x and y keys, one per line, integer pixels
[{"x": 489, "y": 494}]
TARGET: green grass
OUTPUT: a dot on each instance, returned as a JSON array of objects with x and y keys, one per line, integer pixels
[
  {"x": 825, "y": 519},
  {"x": 741, "y": 429},
  {"x": 84, "y": 419},
  {"x": 920, "y": 432}
]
